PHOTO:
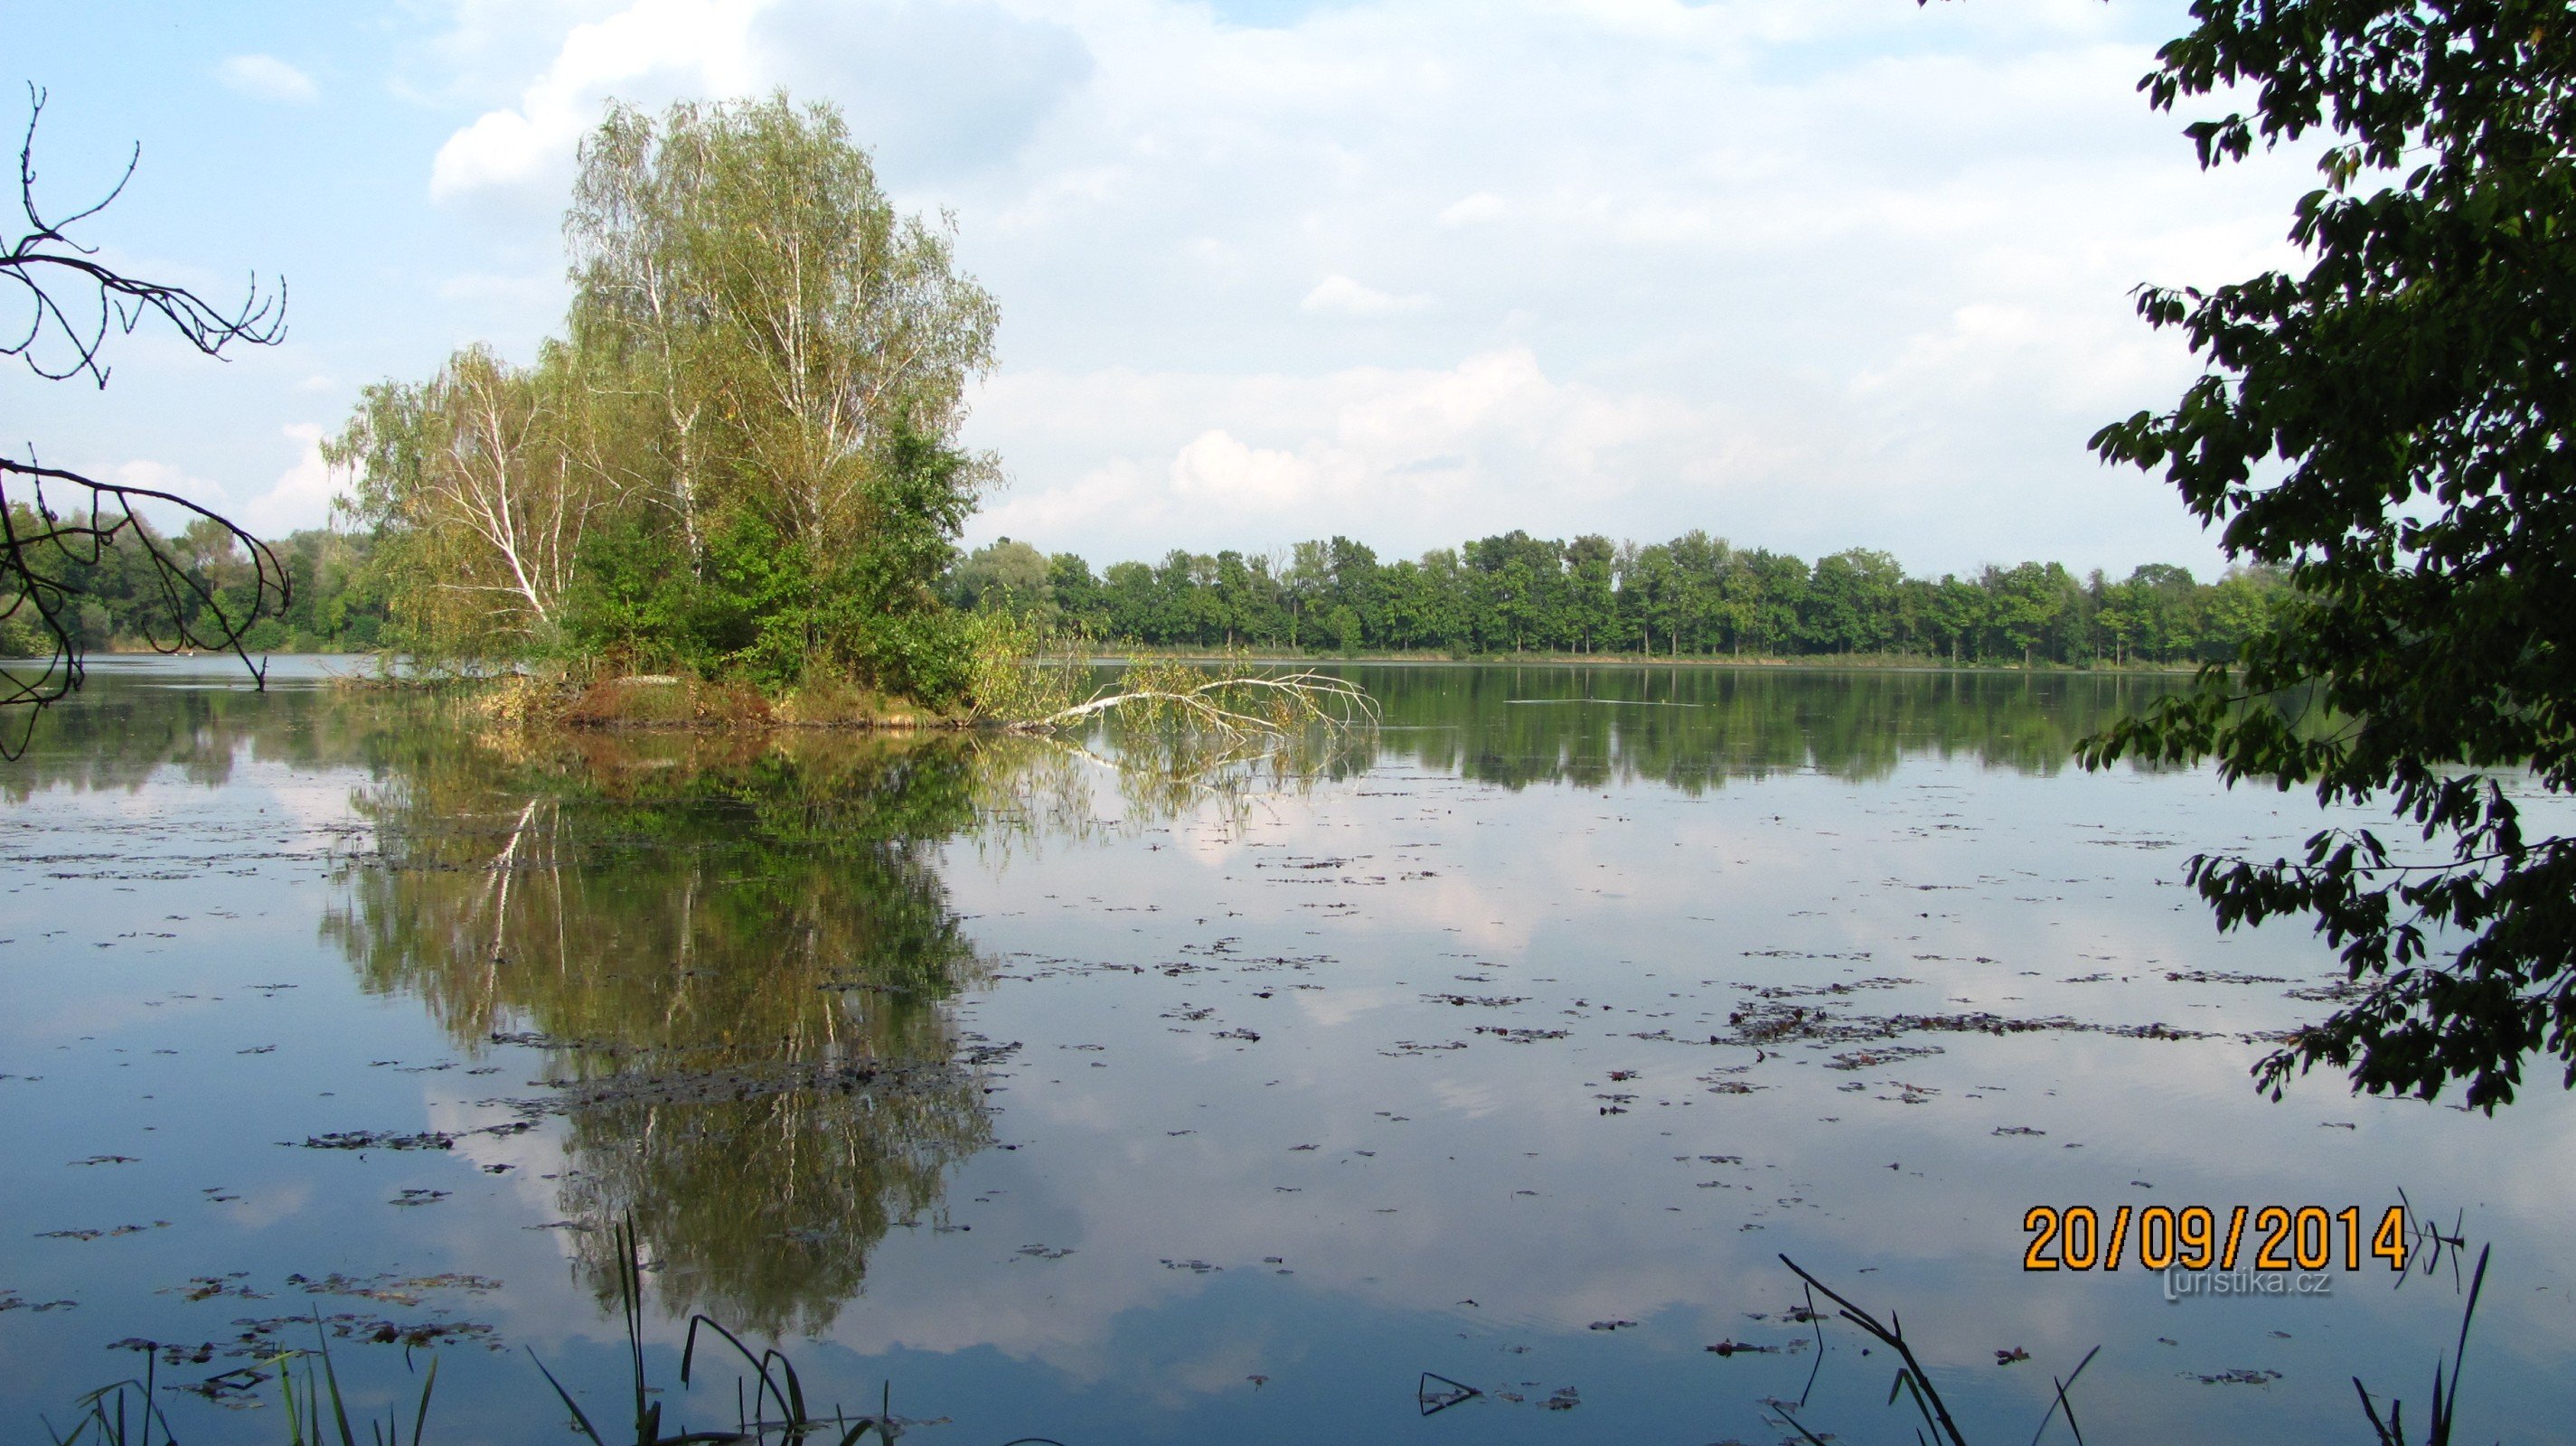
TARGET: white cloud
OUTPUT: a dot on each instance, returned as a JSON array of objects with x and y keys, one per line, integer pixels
[
  {"x": 301, "y": 496},
  {"x": 501, "y": 148},
  {"x": 1405, "y": 458},
  {"x": 1338, "y": 295},
  {"x": 1469, "y": 210},
  {"x": 950, "y": 85},
  {"x": 1217, "y": 469},
  {"x": 1821, "y": 275},
  {"x": 267, "y": 78},
  {"x": 163, "y": 477},
  {"x": 650, "y": 49}
]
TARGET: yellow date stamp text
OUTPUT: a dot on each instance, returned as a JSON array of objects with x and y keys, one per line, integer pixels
[{"x": 2263, "y": 1238}]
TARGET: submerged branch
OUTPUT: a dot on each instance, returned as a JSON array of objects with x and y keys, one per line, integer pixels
[{"x": 1293, "y": 700}]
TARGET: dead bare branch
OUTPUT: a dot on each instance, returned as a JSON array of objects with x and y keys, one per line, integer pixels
[
  {"x": 1294, "y": 700},
  {"x": 75, "y": 300}
]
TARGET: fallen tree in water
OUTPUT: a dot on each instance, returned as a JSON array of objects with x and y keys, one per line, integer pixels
[{"x": 1232, "y": 701}]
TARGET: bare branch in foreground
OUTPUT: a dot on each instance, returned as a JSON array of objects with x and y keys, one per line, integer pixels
[
  {"x": 40, "y": 546},
  {"x": 73, "y": 297},
  {"x": 71, "y": 302}
]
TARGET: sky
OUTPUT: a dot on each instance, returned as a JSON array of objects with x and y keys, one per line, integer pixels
[{"x": 1806, "y": 274}]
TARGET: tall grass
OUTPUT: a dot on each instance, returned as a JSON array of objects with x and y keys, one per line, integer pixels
[
  {"x": 103, "y": 1415},
  {"x": 304, "y": 1427},
  {"x": 774, "y": 1410},
  {"x": 108, "y": 1418},
  {"x": 1940, "y": 1427}
]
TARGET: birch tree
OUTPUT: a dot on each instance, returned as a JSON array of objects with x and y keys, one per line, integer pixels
[
  {"x": 786, "y": 319},
  {"x": 481, "y": 482},
  {"x": 742, "y": 458}
]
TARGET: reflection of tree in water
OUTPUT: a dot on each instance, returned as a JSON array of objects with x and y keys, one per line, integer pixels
[
  {"x": 118, "y": 733},
  {"x": 1694, "y": 728},
  {"x": 739, "y": 948},
  {"x": 765, "y": 912},
  {"x": 1115, "y": 777}
]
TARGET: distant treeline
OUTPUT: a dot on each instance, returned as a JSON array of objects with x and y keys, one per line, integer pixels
[
  {"x": 337, "y": 605},
  {"x": 1695, "y": 596}
]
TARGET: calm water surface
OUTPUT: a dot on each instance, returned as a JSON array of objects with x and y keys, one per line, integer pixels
[{"x": 1517, "y": 1045}]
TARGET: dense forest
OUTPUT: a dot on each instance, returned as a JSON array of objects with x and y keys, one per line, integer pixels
[
  {"x": 1695, "y": 596},
  {"x": 337, "y": 602}
]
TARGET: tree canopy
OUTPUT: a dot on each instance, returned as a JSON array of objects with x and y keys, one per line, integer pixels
[
  {"x": 1693, "y": 596},
  {"x": 739, "y": 459},
  {"x": 2391, "y": 425}
]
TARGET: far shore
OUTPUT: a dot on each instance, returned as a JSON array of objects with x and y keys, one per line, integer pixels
[
  {"x": 1884, "y": 662},
  {"x": 1881, "y": 662}
]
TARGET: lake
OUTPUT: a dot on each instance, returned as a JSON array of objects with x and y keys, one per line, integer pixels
[{"x": 1056, "y": 1090}]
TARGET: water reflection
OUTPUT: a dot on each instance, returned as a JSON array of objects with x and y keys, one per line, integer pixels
[
  {"x": 1695, "y": 728},
  {"x": 735, "y": 950},
  {"x": 1415, "y": 1073},
  {"x": 116, "y": 737},
  {"x": 1689, "y": 728}
]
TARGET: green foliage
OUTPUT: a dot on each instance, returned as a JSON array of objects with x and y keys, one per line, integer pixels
[
  {"x": 740, "y": 464},
  {"x": 633, "y": 601},
  {"x": 797, "y": 877},
  {"x": 125, "y": 607},
  {"x": 1695, "y": 596},
  {"x": 477, "y": 488},
  {"x": 1005, "y": 574},
  {"x": 2389, "y": 425},
  {"x": 1018, "y": 667}
]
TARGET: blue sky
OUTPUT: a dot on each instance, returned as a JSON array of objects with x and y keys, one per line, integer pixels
[{"x": 1809, "y": 274}]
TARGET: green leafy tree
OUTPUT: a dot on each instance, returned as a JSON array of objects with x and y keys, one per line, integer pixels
[
  {"x": 1304, "y": 584},
  {"x": 1735, "y": 603},
  {"x": 1649, "y": 595},
  {"x": 1003, "y": 573},
  {"x": 1693, "y": 595},
  {"x": 786, "y": 321},
  {"x": 1591, "y": 604},
  {"x": 2024, "y": 604},
  {"x": 1707, "y": 565},
  {"x": 1357, "y": 583},
  {"x": 1851, "y": 601},
  {"x": 1128, "y": 593},
  {"x": 2124, "y": 617},
  {"x": 1957, "y": 615},
  {"x": 2171, "y": 610},
  {"x": 478, "y": 486},
  {"x": 1447, "y": 616},
  {"x": 1780, "y": 592},
  {"x": 2390, "y": 425},
  {"x": 742, "y": 457},
  {"x": 1078, "y": 598}
]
